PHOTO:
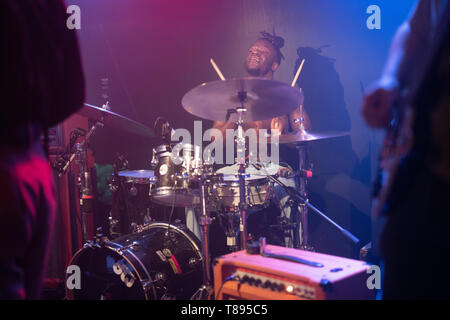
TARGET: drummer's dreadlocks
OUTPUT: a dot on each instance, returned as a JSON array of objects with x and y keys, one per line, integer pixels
[{"x": 276, "y": 41}]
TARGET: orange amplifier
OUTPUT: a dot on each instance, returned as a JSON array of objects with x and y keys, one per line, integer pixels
[{"x": 257, "y": 277}]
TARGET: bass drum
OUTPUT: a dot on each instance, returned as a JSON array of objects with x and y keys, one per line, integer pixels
[{"x": 162, "y": 262}]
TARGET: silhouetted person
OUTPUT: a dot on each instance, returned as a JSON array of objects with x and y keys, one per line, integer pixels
[
  {"x": 415, "y": 242},
  {"x": 41, "y": 83}
]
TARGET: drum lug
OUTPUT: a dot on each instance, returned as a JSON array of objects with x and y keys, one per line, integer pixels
[
  {"x": 134, "y": 246},
  {"x": 205, "y": 221},
  {"x": 133, "y": 190},
  {"x": 154, "y": 161},
  {"x": 113, "y": 185},
  {"x": 89, "y": 244},
  {"x": 92, "y": 244},
  {"x": 100, "y": 239},
  {"x": 147, "y": 285}
]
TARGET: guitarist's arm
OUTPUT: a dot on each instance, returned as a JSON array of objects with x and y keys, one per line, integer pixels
[{"x": 407, "y": 46}]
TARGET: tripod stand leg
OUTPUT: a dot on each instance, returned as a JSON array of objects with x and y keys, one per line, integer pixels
[{"x": 296, "y": 221}]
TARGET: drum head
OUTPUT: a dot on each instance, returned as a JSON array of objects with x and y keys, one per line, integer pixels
[
  {"x": 267, "y": 169},
  {"x": 235, "y": 178},
  {"x": 137, "y": 174}
]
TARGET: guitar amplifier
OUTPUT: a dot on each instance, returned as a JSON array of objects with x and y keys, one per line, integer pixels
[{"x": 257, "y": 277}]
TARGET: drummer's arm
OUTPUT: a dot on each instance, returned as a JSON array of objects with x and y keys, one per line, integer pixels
[{"x": 295, "y": 120}]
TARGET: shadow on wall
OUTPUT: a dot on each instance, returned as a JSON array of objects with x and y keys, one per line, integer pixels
[{"x": 336, "y": 167}]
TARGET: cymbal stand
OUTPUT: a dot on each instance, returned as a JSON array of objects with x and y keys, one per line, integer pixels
[
  {"x": 205, "y": 292},
  {"x": 241, "y": 160},
  {"x": 300, "y": 199},
  {"x": 304, "y": 243}
]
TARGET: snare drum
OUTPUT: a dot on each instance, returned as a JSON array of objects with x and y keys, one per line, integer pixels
[
  {"x": 173, "y": 186},
  {"x": 226, "y": 194},
  {"x": 161, "y": 262}
]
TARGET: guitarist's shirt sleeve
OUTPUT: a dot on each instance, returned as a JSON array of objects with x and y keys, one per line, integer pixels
[{"x": 425, "y": 17}]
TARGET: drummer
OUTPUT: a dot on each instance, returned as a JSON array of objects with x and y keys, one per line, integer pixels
[{"x": 262, "y": 61}]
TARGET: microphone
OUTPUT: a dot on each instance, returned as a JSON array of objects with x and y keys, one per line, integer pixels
[{"x": 165, "y": 129}]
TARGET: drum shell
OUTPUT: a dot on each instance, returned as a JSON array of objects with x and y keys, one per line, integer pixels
[
  {"x": 173, "y": 185},
  {"x": 141, "y": 255},
  {"x": 226, "y": 194},
  {"x": 131, "y": 202}
]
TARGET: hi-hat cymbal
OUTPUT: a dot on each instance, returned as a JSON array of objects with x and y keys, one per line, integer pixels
[
  {"x": 264, "y": 99},
  {"x": 115, "y": 120},
  {"x": 308, "y": 136}
]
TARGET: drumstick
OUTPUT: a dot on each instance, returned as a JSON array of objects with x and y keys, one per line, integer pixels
[
  {"x": 298, "y": 73},
  {"x": 217, "y": 69}
]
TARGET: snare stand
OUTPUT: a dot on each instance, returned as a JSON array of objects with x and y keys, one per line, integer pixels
[{"x": 206, "y": 291}]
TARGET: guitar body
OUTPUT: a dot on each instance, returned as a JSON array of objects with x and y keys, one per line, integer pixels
[
  {"x": 397, "y": 143},
  {"x": 399, "y": 138}
]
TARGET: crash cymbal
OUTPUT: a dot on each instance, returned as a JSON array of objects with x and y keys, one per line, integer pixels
[
  {"x": 308, "y": 136},
  {"x": 115, "y": 120},
  {"x": 264, "y": 99}
]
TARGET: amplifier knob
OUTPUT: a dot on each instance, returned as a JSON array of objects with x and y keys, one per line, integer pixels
[{"x": 274, "y": 286}]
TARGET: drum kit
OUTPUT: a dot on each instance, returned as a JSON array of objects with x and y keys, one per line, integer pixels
[{"x": 160, "y": 260}]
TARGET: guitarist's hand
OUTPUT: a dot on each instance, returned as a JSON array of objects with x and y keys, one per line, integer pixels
[{"x": 378, "y": 100}]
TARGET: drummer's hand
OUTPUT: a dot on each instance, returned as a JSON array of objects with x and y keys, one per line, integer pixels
[
  {"x": 280, "y": 124},
  {"x": 378, "y": 100}
]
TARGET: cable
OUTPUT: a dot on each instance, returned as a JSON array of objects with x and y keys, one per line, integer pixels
[
  {"x": 171, "y": 213},
  {"x": 227, "y": 279}
]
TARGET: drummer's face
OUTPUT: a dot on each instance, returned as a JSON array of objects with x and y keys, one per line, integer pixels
[{"x": 261, "y": 59}]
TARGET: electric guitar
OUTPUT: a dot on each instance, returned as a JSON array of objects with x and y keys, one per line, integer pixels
[{"x": 399, "y": 134}]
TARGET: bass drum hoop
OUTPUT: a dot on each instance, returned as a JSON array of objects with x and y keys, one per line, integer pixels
[{"x": 125, "y": 254}]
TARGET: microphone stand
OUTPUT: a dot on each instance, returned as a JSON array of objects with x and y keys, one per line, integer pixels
[
  {"x": 300, "y": 200},
  {"x": 84, "y": 183}
]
